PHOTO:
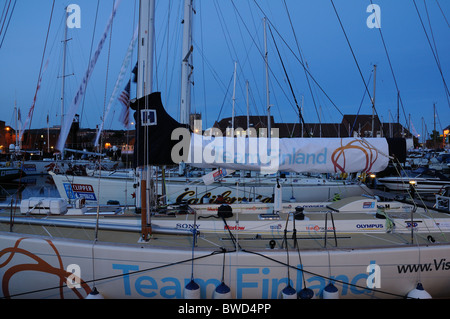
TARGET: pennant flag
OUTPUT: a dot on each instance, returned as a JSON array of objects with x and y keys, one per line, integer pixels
[
  {"x": 118, "y": 84},
  {"x": 82, "y": 89},
  {"x": 31, "y": 111}
]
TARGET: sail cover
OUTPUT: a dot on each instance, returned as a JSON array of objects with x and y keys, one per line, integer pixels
[
  {"x": 171, "y": 143},
  {"x": 300, "y": 155}
]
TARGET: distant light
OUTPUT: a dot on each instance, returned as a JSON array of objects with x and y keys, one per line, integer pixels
[{"x": 412, "y": 182}]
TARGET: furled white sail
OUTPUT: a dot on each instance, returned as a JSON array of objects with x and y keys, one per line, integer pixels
[{"x": 268, "y": 155}]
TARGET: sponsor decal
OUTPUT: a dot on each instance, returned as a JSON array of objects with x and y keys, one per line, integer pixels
[
  {"x": 276, "y": 227},
  {"x": 40, "y": 267},
  {"x": 368, "y": 205},
  {"x": 318, "y": 228},
  {"x": 435, "y": 265},
  {"x": 187, "y": 226},
  {"x": 74, "y": 191},
  {"x": 413, "y": 224},
  {"x": 369, "y": 226},
  {"x": 250, "y": 280},
  {"x": 189, "y": 196},
  {"x": 235, "y": 227},
  {"x": 29, "y": 168}
]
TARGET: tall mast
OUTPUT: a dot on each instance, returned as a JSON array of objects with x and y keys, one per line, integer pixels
[
  {"x": 248, "y": 110},
  {"x": 186, "y": 67},
  {"x": 63, "y": 76},
  {"x": 269, "y": 124},
  {"x": 16, "y": 115},
  {"x": 373, "y": 99},
  {"x": 146, "y": 48},
  {"x": 234, "y": 99},
  {"x": 144, "y": 88}
]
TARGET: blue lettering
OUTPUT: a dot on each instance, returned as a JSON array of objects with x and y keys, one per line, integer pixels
[
  {"x": 126, "y": 277},
  {"x": 354, "y": 282},
  {"x": 299, "y": 158},
  {"x": 342, "y": 278},
  {"x": 176, "y": 288},
  {"x": 312, "y": 157},
  {"x": 246, "y": 279},
  {"x": 322, "y": 157},
  {"x": 241, "y": 284},
  {"x": 265, "y": 284},
  {"x": 140, "y": 286}
]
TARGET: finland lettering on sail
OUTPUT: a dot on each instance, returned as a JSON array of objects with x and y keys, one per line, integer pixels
[{"x": 241, "y": 150}]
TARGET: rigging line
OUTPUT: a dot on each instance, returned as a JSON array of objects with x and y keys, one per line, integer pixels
[
  {"x": 434, "y": 42},
  {"x": 392, "y": 70},
  {"x": 209, "y": 65},
  {"x": 434, "y": 54},
  {"x": 442, "y": 13},
  {"x": 224, "y": 99},
  {"x": 7, "y": 26},
  {"x": 322, "y": 276},
  {"x": 301, "y": 63},
  {"x": 290, "y": 84},
  {"x": 203, "y": 67},
  {"x": 301, "y": 58},
  {"x": 360, "y": 105},
  {"x": 90, "y": 55},
  {"x": 3, "y": 11},
  {"x": 232, "y": 50},
  {"x": 7, "y": 10},
  {"x": 432, "y": 34},
  {"x": 214, "y": 253},
  {"x": 357, "y": 65},
  {"x": 42, "y": 60},
  {"x": 130, "y": 273},
  {"x": 263, "y": 55}
]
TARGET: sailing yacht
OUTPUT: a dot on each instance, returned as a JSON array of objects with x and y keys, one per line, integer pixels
[{"x": 355, "y": 248}]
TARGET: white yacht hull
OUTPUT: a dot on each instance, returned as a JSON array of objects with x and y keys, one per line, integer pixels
[
  {"x": 101, "y": 190},
  {"x": 421, "y": 184},
  {"x": 31, "y": 263}
]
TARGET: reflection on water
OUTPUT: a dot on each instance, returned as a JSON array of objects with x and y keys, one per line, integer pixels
[{"x": 27, "y": 187}]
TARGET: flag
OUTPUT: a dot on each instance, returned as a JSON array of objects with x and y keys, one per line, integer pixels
[
  {"x": 118, "y": 85},
  {"x": 124, "y": 98},
  {"x": 82, "y": 89},
  {"x": 31, "y": 111}
]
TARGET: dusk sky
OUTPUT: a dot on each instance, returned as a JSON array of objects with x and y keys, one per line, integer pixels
[{"x": 226, "y": 31}]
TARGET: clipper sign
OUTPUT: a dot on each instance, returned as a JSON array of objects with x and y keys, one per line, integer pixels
[{"x": 75, "y": 191}]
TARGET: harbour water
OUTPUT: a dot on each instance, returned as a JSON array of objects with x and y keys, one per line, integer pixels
[{"x": 13, "y": 192}]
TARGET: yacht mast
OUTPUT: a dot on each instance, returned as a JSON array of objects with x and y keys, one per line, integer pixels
[
  {"x": 146, "y": 48},
  {"x": 186, "y": 67},
  {"x": 144, "y": 88},
  {"x": 373, "y": 99},
  {"x": 234, "y": 99},
  {"x": 269, "y": 124},
  {"x": 63, "y": 76}
]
